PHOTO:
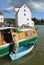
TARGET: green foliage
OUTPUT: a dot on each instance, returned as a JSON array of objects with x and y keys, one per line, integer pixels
[
  {"x": 38, "y": 21},
  {"x": 11, "y": 21}
]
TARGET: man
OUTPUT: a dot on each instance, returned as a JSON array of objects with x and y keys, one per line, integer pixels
[{"x": 15, "y": 40}]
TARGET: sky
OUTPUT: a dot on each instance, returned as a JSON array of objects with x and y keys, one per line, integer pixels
[{"x": 7, "y": 7}]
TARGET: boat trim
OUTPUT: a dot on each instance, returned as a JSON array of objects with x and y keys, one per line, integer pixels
[
  {"x": 26, "y": 39},
  {"x": 4, "y": 45}
]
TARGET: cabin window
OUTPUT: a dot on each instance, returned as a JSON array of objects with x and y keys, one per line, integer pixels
[
  {"x": 26, "y": 34},
  {"x": 7, "y": 35}
]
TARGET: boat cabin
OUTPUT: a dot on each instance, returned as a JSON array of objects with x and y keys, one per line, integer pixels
[
  {"x": 6, "y": 35},
  {"x": 23, "y": 34}
]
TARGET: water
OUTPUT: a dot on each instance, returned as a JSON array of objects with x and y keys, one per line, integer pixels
[{"x": 36, "y": 57}]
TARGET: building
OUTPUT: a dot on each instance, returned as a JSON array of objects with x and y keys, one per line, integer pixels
[
  {"x": 1, "y": 18},
  {"x": 23, "y": 16}
]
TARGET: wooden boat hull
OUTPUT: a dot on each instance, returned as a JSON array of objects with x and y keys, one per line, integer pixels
[{"x": 25, "y": 50}]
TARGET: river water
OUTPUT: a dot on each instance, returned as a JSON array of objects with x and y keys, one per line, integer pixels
[{"x": 36, "y": 57}]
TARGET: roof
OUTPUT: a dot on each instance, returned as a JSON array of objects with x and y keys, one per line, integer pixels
[
  {"x": 3, "y": 28},
  {"x": 17, "y": 30}
]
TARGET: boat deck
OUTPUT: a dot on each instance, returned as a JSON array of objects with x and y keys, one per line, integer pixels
[{"x": 25, "y": 47}]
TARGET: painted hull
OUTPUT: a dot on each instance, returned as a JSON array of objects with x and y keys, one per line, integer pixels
[
  {"x": 28, "y": 41},
  {"x": 4, "y": 50},
  {"x": 22, "y": 53}
]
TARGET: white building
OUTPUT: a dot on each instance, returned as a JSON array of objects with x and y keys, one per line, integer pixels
[
  {"x": 23, "y": 16},
  {"x": 1, "y": 18}
]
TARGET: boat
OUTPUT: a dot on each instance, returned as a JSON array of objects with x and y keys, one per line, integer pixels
[
  {"x": 25, "y": 36},
  {"x": 22, "y": 51}
]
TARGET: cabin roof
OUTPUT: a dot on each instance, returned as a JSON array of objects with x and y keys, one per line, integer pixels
[
  {"x": 17, "y": 30},
  {"x": 3, "y": 28}
]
